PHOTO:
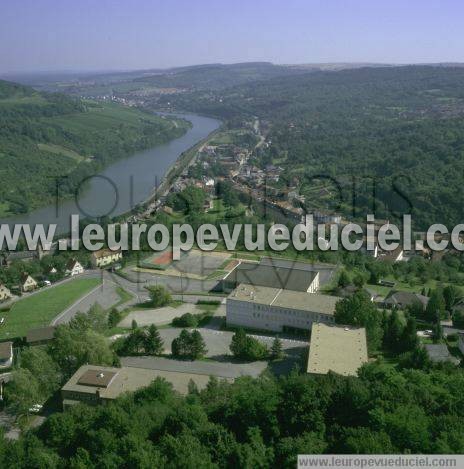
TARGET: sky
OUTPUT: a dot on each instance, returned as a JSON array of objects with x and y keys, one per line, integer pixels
[{"x": 60, "y": 35}]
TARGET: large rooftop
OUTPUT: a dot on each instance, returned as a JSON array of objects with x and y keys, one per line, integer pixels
[
  {"x": 312, "y": 302},
  {"x": 112, "y": 382},
  {"x": 339, "y": 349},
  {"x": 296, "y": 277}
]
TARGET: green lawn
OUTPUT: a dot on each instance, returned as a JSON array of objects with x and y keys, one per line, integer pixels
[{"x": 39, "y": 309}]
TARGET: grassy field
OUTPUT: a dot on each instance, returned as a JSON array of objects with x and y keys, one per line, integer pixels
[
  {"x": 102, "y": 117},
  {"x": 59, "y": 150},
  {"x": 39, "y": 309}
]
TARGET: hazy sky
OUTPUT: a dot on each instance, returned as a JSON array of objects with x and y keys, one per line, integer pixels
[{"x": 116, "y": 34}]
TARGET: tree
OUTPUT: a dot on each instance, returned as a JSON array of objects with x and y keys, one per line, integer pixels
[
  {"x": 42, "y": 366},
  {"x": 114, "y": 317},
  {"x": 436, "y": 306},
  {"x": 416, "y": 309},
  {"x": 458, "y": 319},
  {"x": 189, "y": 345},
  {"x": 135, "y": 342},
  {"x": 197, "y": 346},
  {"x": 451, "y": 295},
  {"x": 358, "y": 310},
  {"x": 359, "y": 280},
  {"x": 154, "y": 344},
  {"x": 417, "y": 359},
  {"x": 190, "y": 200},
  {"x": 238, "y": 343},
  {"x": 343, "y": 279},
  {"x": 23, "y": 392},
  {"x": 95, "y": 319},
  {"x": 180, "y": 345},
  {"x": 73, "y": 348},
  {"x": 245, "y": 347},
  {"x": 226, "y": 191},
  {"x": 159, "y": 296},
  {"x": 276, "y": 349},
  {"x": 394, "y": 332},
  {"x": 409, "y": 340},
  {"x": 437, "y": 332},
  {"x": 186, "y": 320}
]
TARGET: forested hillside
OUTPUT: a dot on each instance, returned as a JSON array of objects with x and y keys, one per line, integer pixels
[
  {"x": 255, "y": 423},
  {"x": 402, "y": 126},
  {"x": 48, "y": 136}
]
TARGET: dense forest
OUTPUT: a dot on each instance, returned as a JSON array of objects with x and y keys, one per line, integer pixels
[
  {"x": 47, "y": 138},
  {"x": 401, "y": 127},
  {"x": 255, "y": 423}
]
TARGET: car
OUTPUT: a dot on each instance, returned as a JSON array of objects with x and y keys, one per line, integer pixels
[
  {"x": 47, "y": 283},
  {"x": 428, "y": 332},
  {"x": 2, "y": 320},
  {"x": 36, "y": 408}
]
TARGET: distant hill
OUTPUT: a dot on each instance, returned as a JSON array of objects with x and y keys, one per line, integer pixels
[
  {"x": 44, "y": 136},
  {"x": 216, "y": 76}
]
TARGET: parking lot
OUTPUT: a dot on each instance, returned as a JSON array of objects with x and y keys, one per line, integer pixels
[
  {"x": 160, "y": 316},
  {"x": 220, "y": 370}
]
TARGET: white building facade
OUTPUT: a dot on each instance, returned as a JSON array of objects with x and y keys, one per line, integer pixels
[{"x": 277, "y": 310}]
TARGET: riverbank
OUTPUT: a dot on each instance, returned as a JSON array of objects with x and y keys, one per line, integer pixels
[
  {"x": 127, "y": 183},
  {"x": 70, "y": 146}
]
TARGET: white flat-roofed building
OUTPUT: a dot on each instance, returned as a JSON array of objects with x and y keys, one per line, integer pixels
[
  {"x": 276, "y": 309},
  {"x": 339, "y": 349}
]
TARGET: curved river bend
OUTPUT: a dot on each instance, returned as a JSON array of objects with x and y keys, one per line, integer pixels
[{"x": 124, "y": 184}]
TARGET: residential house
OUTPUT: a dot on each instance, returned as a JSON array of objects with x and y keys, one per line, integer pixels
[
  {"x": 24, "y": 256},
  {"x": 208, "y": 205},
  {"x": 461, "y": 342},
  {"x": 397, "y": 255},
  {"x": 6, "y": 354},
  {"x": 403, "y": 299},
  {"x": 5, "y": 293},
  {"x": 439, "y": 353},
  {"x": 27, "y": 283},
  {"x": 51, "y": 270},
  {"x": 105, "y": 257},
  {"x": 74, "y": 267}
]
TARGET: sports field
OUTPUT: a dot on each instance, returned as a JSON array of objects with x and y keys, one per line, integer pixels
[
  {"x": 193, "y": 264},
  {"x": 39, "y": 309}
]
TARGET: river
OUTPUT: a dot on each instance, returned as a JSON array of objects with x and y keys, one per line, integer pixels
[{"x": 122, "y": 185}]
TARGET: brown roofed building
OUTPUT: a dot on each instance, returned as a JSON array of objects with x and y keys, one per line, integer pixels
[
  {"x": 403, "y": 299},
  {"x": 27, "y": 283},
  {"x": 74, "y": 267},
  {"x": 40, "y": 336},
  {"x": 105, "y": 257},
  {"x": 95, "y": 385},
  {"x": 5, "y": 293},
  {"x": 6, "y": 354}
]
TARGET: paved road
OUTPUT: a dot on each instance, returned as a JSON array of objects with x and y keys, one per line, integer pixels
[
  {"x": 218, "y": 342},
  {"x": 105, "y": 295},
  {"x": 159, "y": 316},
  {"x": 221, "y": 370}
]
